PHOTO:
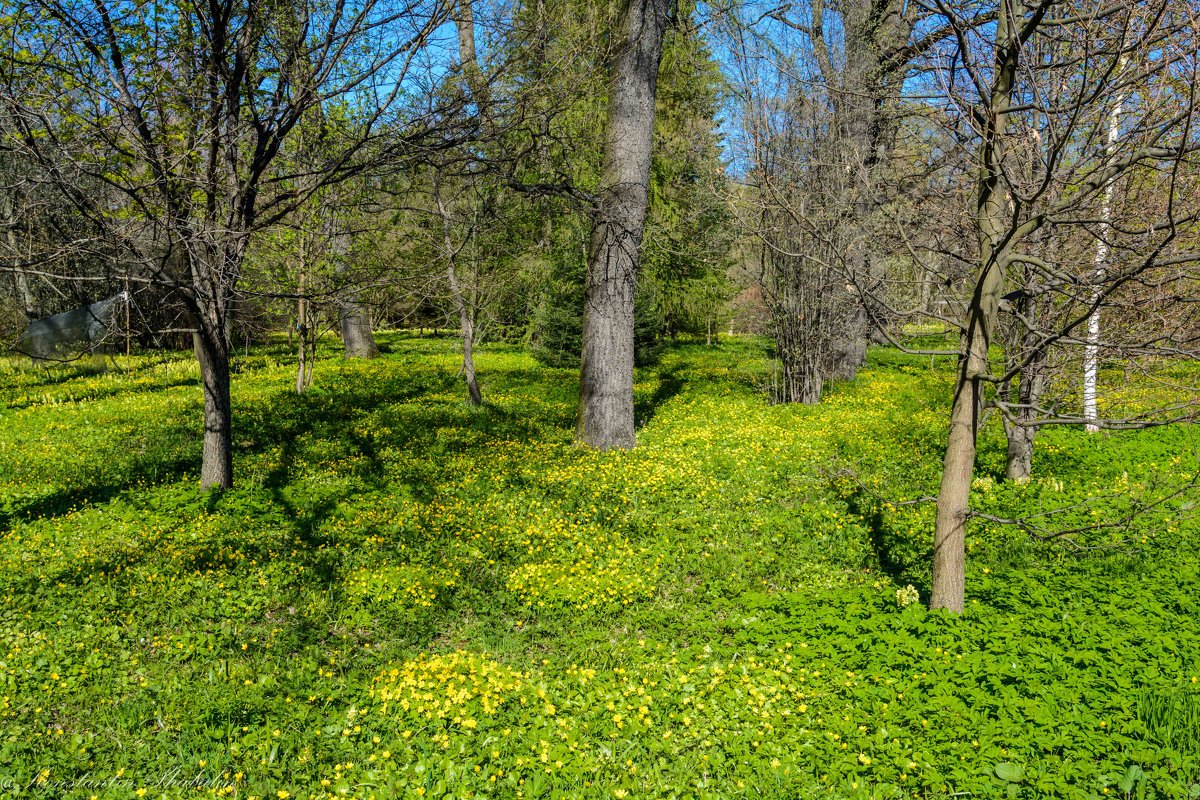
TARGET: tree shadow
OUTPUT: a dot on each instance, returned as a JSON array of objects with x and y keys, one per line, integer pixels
[
  {"x": 62, "y": 501},
  {"x": 893, "y": 554},
  {"x": 670, "y": 384}
]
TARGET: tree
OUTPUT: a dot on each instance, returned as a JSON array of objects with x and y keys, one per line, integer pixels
[
  {"x": 605, "y": 419},
  {"x": 1045, "y": 79},
  {"x": 821, "y": 87},
  {"x": 679, "y": 285},
  {"x": 182, "y": 111},
  {"x": 464, "y": 307}
]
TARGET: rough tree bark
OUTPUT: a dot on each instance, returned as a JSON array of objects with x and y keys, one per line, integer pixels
[
  {"x": 307, "y": 352},
  {"x": 212, "y": 354},
  {"x": 465, "y": 26},
  {"x": 24, "y": 292},
  {"x": 864, "y": 89},
  {"x": 358, "y": 339},
  {"x": 605, "y": 419}
]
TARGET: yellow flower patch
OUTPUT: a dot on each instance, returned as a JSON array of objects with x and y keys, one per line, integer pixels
[
  {"x": 457, "y": 687},
  {"x": 409, "y": 585}
]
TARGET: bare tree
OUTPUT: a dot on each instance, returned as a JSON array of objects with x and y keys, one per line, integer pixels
[
  {"x": 821, "y": 87},
  {"x": 464, "y": 308},
  {"x": 1045, "y": 81},
  {"x": 183, "y": 116}
]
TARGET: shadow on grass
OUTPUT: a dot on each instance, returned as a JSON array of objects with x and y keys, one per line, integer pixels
[
  {"x": 670, "y": 384},
  {"x": 894, "y": 555}
]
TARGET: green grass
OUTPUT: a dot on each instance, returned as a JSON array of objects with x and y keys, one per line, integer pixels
[{"x": 405, "y": 596}]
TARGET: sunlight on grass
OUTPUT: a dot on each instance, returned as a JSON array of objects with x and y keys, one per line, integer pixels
[{"x": 405, "y": 596}]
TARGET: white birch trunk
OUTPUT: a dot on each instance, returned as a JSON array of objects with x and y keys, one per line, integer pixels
[{"x": 1091, "y": 351}]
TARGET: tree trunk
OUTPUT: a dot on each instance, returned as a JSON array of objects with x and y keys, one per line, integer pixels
[
  {"x": 480, "y": 92},
  {"x": 865, "y": 92},
  {"x": 1019, "y": 459},
  {"x": 1091, "y": 351},
  {"x": 128, "y": 301},
  {"x": 212, "y": 351},
  {"x": 28, "y": 304},
  {"x": 1032, "y": 382},
  {"x": 307, "y": 350},
  {"x": 992, "y": 210},
  {"x": 357, "y": 337},
  {"x": 800, "y": 362},
  {"x": 355, "y": 320},
  {"x": 949, "y": 550},
  {"x": 466, "y": 318},
  {"x": 467, "y": 325},
  {"x": 848, "y": 350},
  {"x": 24, "y": 292},
  {"x": 605, "y": 419},
  {"x": 958, "y": 468}
]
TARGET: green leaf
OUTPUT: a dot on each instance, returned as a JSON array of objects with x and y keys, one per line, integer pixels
[{"x": 1008, "y": 771}]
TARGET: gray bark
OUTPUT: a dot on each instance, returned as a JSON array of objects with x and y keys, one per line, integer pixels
[
  {"x": 212, "y": 352},
  {"x": 1019, "y": 458},
  {"x": 1031, "y": 384},
  {"x": 848, "y": 351},
  {"x": 465, "y": 25},
  {"x": 864, "y": 91},
  {"x": 357, "y": 336},
  {"x": 24, "y": 291},
  {"x": 466, "y": 316},
  {"x": 605, "y": 419},
  {"x": 305, "y": 327},
  {"x": 355, "y": 320}
]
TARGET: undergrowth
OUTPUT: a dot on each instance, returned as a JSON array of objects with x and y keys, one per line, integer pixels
[{"x": 405, "y": 596}]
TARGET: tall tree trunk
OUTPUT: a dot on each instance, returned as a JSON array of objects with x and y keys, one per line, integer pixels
[
  {"x": 467, "y": 329},
  {"x": 991, "y": 220},
  {"x": 355, "y": 320},
  {"x": 214, "y": 267},
  {"x": 848, "y": 349},
  {"x": 24, "y": 292},
  {"x": 128, "y": 332},
  {"x": 865, "y": 92},
  {"x": 605, "y": 419},
  {"x": 1018, "y": 464},
  {"x": 465, "y": 25},
  {"x": 307, "y": 350},
  {"x": 1091, "y": 351},
  {"x": 1022, "y": 433}
]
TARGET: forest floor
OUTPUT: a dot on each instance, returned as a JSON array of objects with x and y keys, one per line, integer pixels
[{"x": 404, "y": 596}]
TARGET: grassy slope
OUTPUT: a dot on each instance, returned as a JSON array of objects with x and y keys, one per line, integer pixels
[{"x": 405, "y": 596}]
